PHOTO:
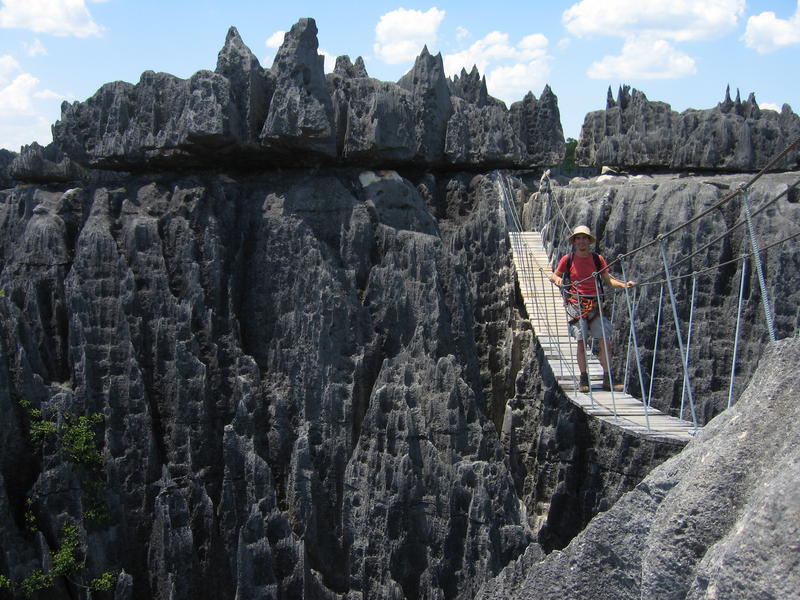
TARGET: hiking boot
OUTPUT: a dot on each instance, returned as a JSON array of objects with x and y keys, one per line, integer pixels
[
  {"x": 583, "y": 384},
  {"x": 618, "y": 387}
]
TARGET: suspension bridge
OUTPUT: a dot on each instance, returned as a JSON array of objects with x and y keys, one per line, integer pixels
[{"x": 534, "y": 254}]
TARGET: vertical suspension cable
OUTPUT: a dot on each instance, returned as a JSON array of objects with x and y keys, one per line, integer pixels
[
  {"x": 679, "y": 335},
  {"x": 632, "y": 318},
  {"x": 626, "y": 372},
  {"x": 606, "y": 345},
  {"x": 689, "y": 340},
  {"x": 736, "y": 335},
  {"x": 655, "y": 345},
  {"x": 759, "y": 269}
]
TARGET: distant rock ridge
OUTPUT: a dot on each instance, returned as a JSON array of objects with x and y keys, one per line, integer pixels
[
  {"x": 636, "y": 133},
  {"x": 292, "y": 114},
  {"x": 6, "y": 158}
]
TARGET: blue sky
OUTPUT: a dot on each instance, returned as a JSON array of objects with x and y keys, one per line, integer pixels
[{"x": 682, "y": 52}]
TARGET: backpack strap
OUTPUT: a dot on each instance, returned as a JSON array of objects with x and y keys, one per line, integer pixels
[{"x": 598, "y": 267}]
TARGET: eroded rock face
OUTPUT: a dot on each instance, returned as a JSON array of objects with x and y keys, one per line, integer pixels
[
  {"x": 6, "y": 158},
  {"x": 636, "y": 133},
  {"x": 244, "y": 116},
  {"x": 720, "y": 519},
  {"x": 293, "y": 377},
  {"x": 626, "y": 213},
  {"x": 37, "y": 164},
  {"x": 304, "y": 375}
]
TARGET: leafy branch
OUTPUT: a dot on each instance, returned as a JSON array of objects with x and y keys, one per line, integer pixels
[{"x": 65, "y": 564}]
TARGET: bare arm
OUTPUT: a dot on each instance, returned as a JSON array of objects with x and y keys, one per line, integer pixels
[{"x": 616, "y": 283}]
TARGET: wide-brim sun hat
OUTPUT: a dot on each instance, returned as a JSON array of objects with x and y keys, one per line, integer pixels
[{"x": 581, "y": 229}]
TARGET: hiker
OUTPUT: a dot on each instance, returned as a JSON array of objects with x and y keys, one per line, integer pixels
[{"x": 578, "y": 266}]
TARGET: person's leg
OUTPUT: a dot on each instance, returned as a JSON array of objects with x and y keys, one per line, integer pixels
[
  {"x": 582, "y": 334},
  {"x": 601, "y": 330},
  {"x": 581, "y": 357},
  {"x": 604, "y": 354}
]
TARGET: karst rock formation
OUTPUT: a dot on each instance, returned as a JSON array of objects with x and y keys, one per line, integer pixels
[{"x": 260, "y": 337}]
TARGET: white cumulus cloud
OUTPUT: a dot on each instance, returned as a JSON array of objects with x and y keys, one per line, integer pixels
[
  {"x": 766, "y": 32},
  {"x": 275, "y": 40},
  {"x": 644, "y": 59},
  {"x": 650, "y": 29},
  {"x": 676, "y": 20},
  {"x": 401, "y": 34},
  {"x": 511, "y": 69},
  {"x": 769, "y": 106},
  {"x": 49, "y": 95},
  {"x": 511, "y": 83},
  {"x": 56, "y": 17},
  {"x": 8, "y": 66},
  {"x": 16, "y": 97},
  {"x": 22, "y": 104}
]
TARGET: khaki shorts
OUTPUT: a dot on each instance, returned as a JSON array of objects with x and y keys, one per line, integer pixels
[{"x": 583, "y": 330}]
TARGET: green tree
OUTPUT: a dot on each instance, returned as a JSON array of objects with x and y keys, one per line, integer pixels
[{"x": 569, "y": 155}]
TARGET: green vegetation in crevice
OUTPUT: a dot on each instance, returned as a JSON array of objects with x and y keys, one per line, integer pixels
[
  {"x": 75, "y": 439},
  {"x": 66, "y": 563},
  {"x": 569, "y": 155}
]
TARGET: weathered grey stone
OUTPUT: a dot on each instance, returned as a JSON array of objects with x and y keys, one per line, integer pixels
[
  {"x": 720, "y": 519},
  {"x": 6, "y": 158},
  {"x": 345, "y": 68},
  {"x": 243, "y": 116},
  {"x": 251, "y": 87},
  {"x": 428, "y": 86},
  {"x": 241, "y": 340},
  {"x": 470, "y": 87},
  {"x": 537, "y": 123},
  {"x": 300, "y": 114},
  {"x": 482, "y": 135},
  {"x": 635, "y": 133},
  {"x": 375, "y": 121},
  {"x": 162, "y": 120},
  {"x": 626, "y": 213},
  {"x": 37, "y": 164}
]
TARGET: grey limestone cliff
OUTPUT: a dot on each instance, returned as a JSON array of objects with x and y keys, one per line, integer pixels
[
  {"x": 6, "y": 158},
  {"x": 719, "y": 520},
  {"x": 309, "y": 384},
  {"x": 628, "y": 212},
  {"x": 292, "y": 114},
  {"x": 638, "y": 134},
  {"x": 260, "y": 337}
]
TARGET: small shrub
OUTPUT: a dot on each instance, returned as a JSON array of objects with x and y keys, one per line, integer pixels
[
  {"x": 35, "y": 582},
  {"x": 78, "y": 440},
  {"x": 104, "y": 583},
  {"x": 64, "y": 560},
  {"x": 30, "y": 517}
]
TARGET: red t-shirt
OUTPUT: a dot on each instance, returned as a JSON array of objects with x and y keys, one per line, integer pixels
[{"x": 581, "y": 269}]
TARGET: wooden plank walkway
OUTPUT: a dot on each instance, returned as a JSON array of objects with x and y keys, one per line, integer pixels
[{"x": 546, "y": 312}]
